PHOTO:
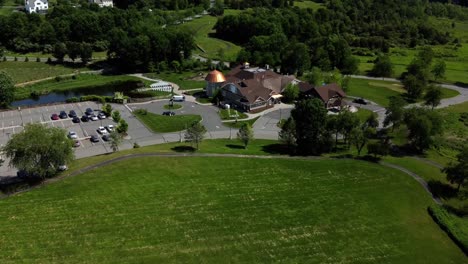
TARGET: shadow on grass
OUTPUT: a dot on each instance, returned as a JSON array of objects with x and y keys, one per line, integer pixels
[
  {"x": 276, "y": 149},
  {"x": 461, "y": 84},
  {"x": 183, "y": 149},
  {"x": 232, "y": 146},
  {"x": 442, "y": 190}
]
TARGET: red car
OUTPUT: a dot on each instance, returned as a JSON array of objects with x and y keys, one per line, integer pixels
[{"x": 54, "y": 117}]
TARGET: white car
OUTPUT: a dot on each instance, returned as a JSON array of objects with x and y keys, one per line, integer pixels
[
  {"x": 101, "y": 130},
  {"x": 63, "y": 167},
  {"x": 72, "y": 135},
  {"x": 110, "y": 128},
  {"x": 94, "y": 118}
]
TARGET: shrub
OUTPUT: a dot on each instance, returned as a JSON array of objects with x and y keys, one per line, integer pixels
[
  {"x": 442, "y": 217},
  {"x": 58, "y": 78},
  {"x": 38, "y": 59},
  {"x": 73, "y": 100},
  {"x": 4, "y": 58},
  {"x": 136, "y": 145},
  {"x": 26, "y": 59},
  {"x": 116, "y": 116},
  {"x": 141, "y": 111},
  {"x": 15, "y": 59}
]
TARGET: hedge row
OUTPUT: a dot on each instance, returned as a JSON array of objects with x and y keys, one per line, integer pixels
[
  {"x": 95, "y": 98},
  {"x": 443, "y": 218}
]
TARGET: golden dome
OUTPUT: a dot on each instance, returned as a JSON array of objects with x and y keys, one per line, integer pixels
[{"x": 215, "y": 77}]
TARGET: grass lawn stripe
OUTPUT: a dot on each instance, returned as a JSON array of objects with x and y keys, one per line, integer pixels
[{"x": 164, "y": 124}]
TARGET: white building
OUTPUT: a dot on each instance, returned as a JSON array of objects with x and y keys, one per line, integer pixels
[
  {"x": 36, "y": 6},
  {"x": 102, "y": 3}
]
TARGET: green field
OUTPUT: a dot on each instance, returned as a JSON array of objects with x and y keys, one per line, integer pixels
[
  {"x": 28, "y": 71},
  {"x": 375, "y": 91},
  {"x": 172, "y": 107},
  {"x": 209, "y": 47},
  {"x": 239, "y": 210},
  {"x": 231, "y": 114},
  {"x": 185, "y": 80},
  {"x": 80, "y": 81},
  {"x": 164, "y": 124},
  {"x": 307, "y": 4}
]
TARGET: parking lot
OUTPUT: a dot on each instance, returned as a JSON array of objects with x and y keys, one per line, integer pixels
[{"x": 12, "y": 122}]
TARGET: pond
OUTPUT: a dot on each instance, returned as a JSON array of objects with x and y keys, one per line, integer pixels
[{"x": 57, "y": 97}]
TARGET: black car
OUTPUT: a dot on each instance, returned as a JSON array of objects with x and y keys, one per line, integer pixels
[
  {"x": 63, "y": 115},
  {"x": 85, "y": 118},
  {"x": 106, "y": 137},
  {"x": 89, "y": 111},
  {"x": 360, "y": 101},
  {"x": 76, "y": 119},
  {"x": 168, "y": 113},
  {"x": 94, "y": 138},
  {"x": 72, "y": 114}
]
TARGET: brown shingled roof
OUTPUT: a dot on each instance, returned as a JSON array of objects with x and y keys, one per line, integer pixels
[{"x": 328, "y": 91}]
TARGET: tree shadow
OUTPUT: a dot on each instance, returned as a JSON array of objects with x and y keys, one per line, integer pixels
[
  {"x": 276, "y": 149},
  {"x": 369, "y": 158},
  {"x": 232, "y": 146},
  {"x": 442, "y": 190},
  {"x": 183, "y": 149},
  {"x": 461, "y": 84}
]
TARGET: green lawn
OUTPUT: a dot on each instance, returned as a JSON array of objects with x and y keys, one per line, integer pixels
[
  {"x": 164, "y": 124},
  {"x": 28, "y": 71},
  {"x": 308, "y": 4},
  {"x": 210, "y": 47},
  {"x": 231, "y": 114},
  {"x": 376, "y": 91},
  {"x": 217, "y": 210},
  {"x": 68, "y": 83},
  {"x": 185, "y": 80},
  {"x": 239, "y": 124},
  {"x": 363, "y": 114},
  {"x": 172, "y": 107}
]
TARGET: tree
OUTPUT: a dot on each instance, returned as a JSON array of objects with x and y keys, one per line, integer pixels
[
  {"x": 394, "y": 112},
  {"x": 116, "y": 116},
  {"x": 358, "y": 138},
  {"x": 422, "y": 125},
  {"x": 414, "y": 86},
  {"x": 86, "y": 52},
  {"x": 457, "y": 173},
  {"x": 287, "y": 135},
  {"x": 372, "y": 120},
  {"x": 291, "y": 92},
  {"x": 115, "y": 140},
  {"x": 438, "y": 70},
  {"x": 7, "y": 90},
  {"x": 310, "y": 117},
  {"x": 378, "y": 149},
  {"x": 122, "y": 127},
  {"x": 39, "y": 150},
  {"x": 245, "y": 134},
  {"x": 195, "y": 134},
  {"x": 107, "y": 108},
  {"x": 60, "y": 50},
  {"x": 347, "y": 121},
  {"x": 315, "y": 77},
  {"x": 433, "y": 96},
  {"x": 383, "y": 67},
  {"x": 333, "y": 126},
  {"x": 175, "y": 65}
]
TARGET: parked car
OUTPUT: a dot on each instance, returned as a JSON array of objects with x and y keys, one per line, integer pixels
[
  {"x": 76, "y": 119},
  {"x": 63, "y": 115},
  {"x": 360, "y": 101},
  {"x": 168, "y": 113},
  {"x": 76, "y": 143},
  {"x": 72, "y": 114},
  {"x": 94, "y": 138},
  {"x": 106, "y": 137},
  {"x": 63, "y": 167},
  {"x": 89, "y": 111},
  {"x": 85, "y": 118},
  {"x": 54, "y": 117},
  {"x": 110, "y": 128},
  {"x": 101, "y": 130},
  {"x": 93, "y": 117},
  {"x": 72, "y": 135},
  {"x": 101, "y": 115}
]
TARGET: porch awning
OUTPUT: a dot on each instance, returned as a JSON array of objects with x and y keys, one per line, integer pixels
[{"x": 276, "y": 96}]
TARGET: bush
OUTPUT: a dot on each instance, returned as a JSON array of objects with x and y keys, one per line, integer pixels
[
  {"x": 442, "y": 217},
  {"x": 15, "y": 59},
  {"x": 4, "y": 58},
  {"x": 26, "y": 59},
  {"x": 141, "y": 111},
  {"x": 116, "y": 116},
  {"x": 136, "y": 145},
  {"x": 73, "y": 100},
  {"x": 58, "y": 78},
  {"x": 38, "y": 59}
]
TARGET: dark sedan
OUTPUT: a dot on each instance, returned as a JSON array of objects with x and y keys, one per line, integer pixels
[
  {"x": 85, "y": 118},
  {"x": 94, "y": 138},
  {"x": 72, "y": 114}
]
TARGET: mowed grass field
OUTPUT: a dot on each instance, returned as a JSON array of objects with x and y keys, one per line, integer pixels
[
  {"x": 210, "y": 46},
  {"x": 29, "y": 71},
  {"x": 218, "y": 210},
  {"x": 308, "y": 4},
  {"x": 164, "y": 124},
  {"x": 186, "y": 80}
]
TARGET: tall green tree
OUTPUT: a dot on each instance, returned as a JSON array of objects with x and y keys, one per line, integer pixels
[
  {"x": 423, "y": 125},
  {"x": 347, "y": 122},
  {"x": 115, "y": 140},
  {"x": 287, "y": 135},
  {"x": 291, "y": 92},
  {"x": 372, "y": 120},
  {"x": 358, "y": 138},
  {"x": 245, "y": 134},
  {"x": 39, "y": 150},
  {"x": 60, "y": 50},
  {"x": 414, "y": 86},
  {"x": 195, "y": 134},
  {"x": 438, "y": 70},
  {"x": 457, "y": 173},
  {"x": 383, "y": 66},
  {"x": 122, "y": 127},
  {"x": 310, "y": 117},
  {"x": 314, "y": 77},
  {"x": 7, "y": 90},
  {"x": 394, "y": 112},
  {"x": 433, "y": 96}
]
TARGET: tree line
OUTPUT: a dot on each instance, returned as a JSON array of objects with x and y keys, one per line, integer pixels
[{"x": 299, "y": 38}]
